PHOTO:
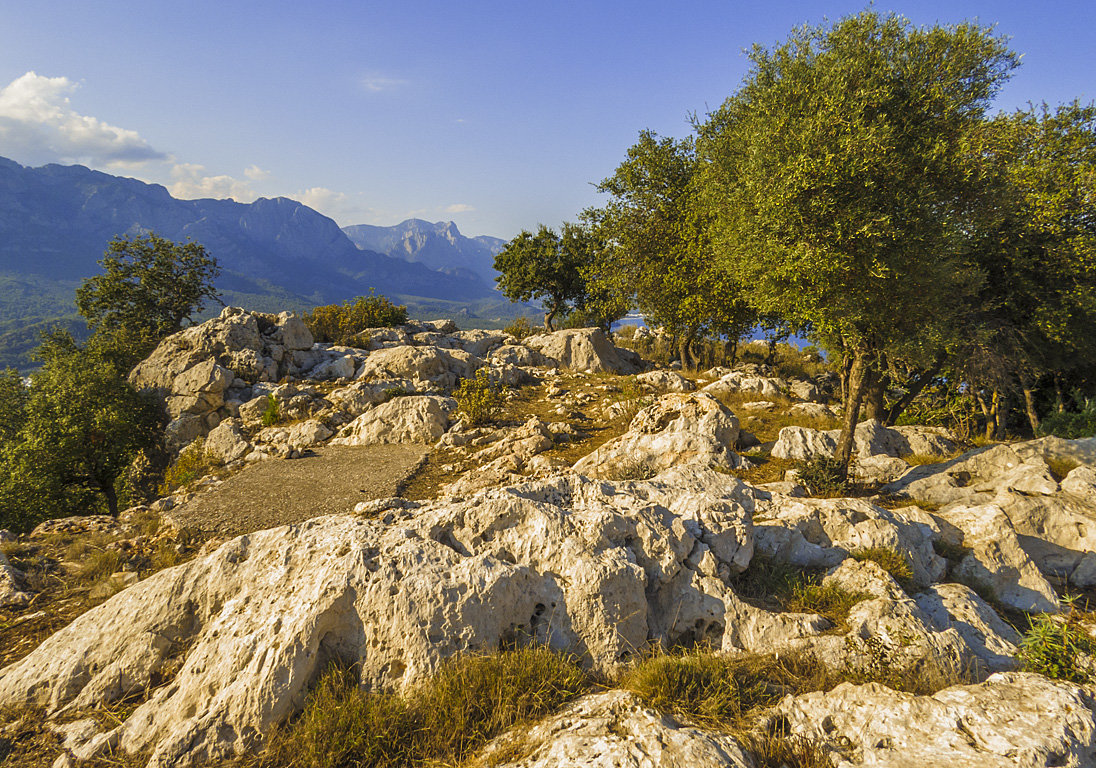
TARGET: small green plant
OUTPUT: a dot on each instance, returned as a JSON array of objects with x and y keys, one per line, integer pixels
[
  {"x": 520, "y": 328},
  {"x": 273, "y": 413},
  {"x": 1059, "y": 647},
  {"x": 479, "y": 399},
  {"x": 896, "y": 563},
  {"x": 471, "y": 700},
  {"x": 823, "y": 476},
  {"x": 193, "y": 462}
]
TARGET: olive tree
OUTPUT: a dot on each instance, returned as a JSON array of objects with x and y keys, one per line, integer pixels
[
  {"x": 838, "y": 179},
  {"x": 545, "y": 265}
]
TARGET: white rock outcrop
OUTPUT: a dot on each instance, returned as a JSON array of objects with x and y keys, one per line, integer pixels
[
  {"x": 582, "y": 349},
  {"x": 871, "y": 439},
  {"x": 408, "y": 419}
]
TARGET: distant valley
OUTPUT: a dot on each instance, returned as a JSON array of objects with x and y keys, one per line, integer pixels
[{"x": 275, "y": 254}]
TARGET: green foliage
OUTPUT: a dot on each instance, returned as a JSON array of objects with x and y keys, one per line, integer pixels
[
  {"x": 192, "y": 463},
  {"x": 896, "y": 563},
  {"x": 1059, "y": 647},
  {"x": 479, "y": 399},
  {"x": 1071, "y": 425},
  {"x": 657, "y": 254},
  {"x": 13, "y": 404},
  {"x": 544, "y": 266},
  {"x": 272, "y": 414},
  {"x": 149, "y": 287},
  {"x": 471, "y": 700},
  {"x": 83, "y": 426},
  {"x": 341, "y": 323},
  {"x": 823, "y": 476},
  {"x": 520, "y": 328}
]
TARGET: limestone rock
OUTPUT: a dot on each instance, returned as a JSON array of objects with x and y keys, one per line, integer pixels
[
  {"x": 1013, "y": 720},
  {"x": 664, "y": 381},
  {"x": 594, "y": 568},
  {"x": 410, "y": 419},
  {"x": 993, "y": 641},
  {"x": 739, "y": 381},
  {"x": 440, "y": 367},
  {"x": 516, "y": 354},
  {"x": 997, "y": 561},
  {"x": 959, "y": 478},
  {"x": 820, "y": 533},
  {"x": 11, "y": 585},
  {"x": 871, "y": 439},
  {"x": 676, "y": 429},
  {"x": 614, "y": 730},
  {"x": 583, "y": 349},
  {"x": 226, "y": 442}
]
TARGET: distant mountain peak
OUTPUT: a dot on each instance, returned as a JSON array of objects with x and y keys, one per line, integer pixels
[{"x": 437, "y": 245}]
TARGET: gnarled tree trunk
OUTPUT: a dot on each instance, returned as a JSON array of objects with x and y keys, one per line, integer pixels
[{"x": 858, "y": 371}]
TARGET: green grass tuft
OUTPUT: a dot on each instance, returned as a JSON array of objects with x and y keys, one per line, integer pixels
[{"x": 892, "y": 561}]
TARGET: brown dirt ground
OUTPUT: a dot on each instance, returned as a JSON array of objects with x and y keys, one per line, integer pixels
[{"x": 328, "y": 480}]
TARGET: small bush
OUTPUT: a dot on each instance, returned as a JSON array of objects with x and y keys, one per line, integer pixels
[
  {"x": 893, "y": 562},
  {"x": 471, "y": 700},
  {"x": 193, "y": 462},
  {"x": 273, "y": 413},
  {"x": 340, "y": 323},
  {"x": 521, "y": 328},
  {"x": 479, "y": 398},
  {"x": 823, "y": 476},
  {"x": 1059, "y": 647}
]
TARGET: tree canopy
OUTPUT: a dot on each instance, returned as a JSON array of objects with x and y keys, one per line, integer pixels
[
  {"x": 838, "y": 179},
  {"x": 546, "y": 266}
]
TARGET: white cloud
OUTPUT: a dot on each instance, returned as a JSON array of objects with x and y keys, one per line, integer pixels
[
  {"x": 378, "y": 83},
  {"x": 255, "y": 173},
  {"x": 189, "y": 181},
  {"x": 38, "y": 125},
  {"x": 459, "y": 208},
  {"x": 322, "y": 199}
]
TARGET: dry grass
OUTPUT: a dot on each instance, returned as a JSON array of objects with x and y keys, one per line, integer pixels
[
  {"x": 1061, "y": 466},
  {"x": 892, "y": 561},
  {"x": 778, "y": 586}
]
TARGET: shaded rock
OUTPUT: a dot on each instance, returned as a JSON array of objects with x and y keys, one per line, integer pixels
[
  {"x": 676, "y": 429},
  {"x": 1011, "y": 720},
  {"x": 226, "y": 443},
  {"x": 989, "y": 637},
  {"x": 12, "y": 581},
  {"x": 582, "y": 349}
]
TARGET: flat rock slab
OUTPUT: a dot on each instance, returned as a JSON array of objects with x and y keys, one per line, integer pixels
[{"x": 330, "y": 480}]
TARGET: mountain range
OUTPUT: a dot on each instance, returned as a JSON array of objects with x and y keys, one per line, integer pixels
[{"x": 56, "y": 222}]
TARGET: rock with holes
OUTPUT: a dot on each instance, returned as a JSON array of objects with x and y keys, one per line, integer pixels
[
  {"x": 1012, "y": 720},
  {"x": 614, "y": 730},
  {"x": 677, "y": 429},
  {"x": 821, "y": 533},
  {"x": 582, "y": 349},
  {"x": 595, "y": 568},
  {"x": 739, "y": 381}
]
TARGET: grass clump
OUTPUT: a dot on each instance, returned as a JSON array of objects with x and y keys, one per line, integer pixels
[
  {"x": 896, "y": 563},
  {"x": 521, "y": 328},
  {"x": 823, "y": 476},
  {"x": 479, "y": 399},
  {"x": 1061, "y": 466},
  {"x": 471, "y": 700},
  {"x": 780, "y": 586},
  {"x": 1059, "y": 647},
  {"x": 714, "y": 690}
]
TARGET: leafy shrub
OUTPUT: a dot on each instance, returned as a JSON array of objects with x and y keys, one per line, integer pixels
[
  {"x": 520, "y": 328},
  {"x": 823, "y": 476},
  {"x": 193, "y": 462},
  {"x": 471, "y": 700},
  {"x": 479, "y": 399},
  {"x": 1059, "y": 648},
  {"x": 892, "y": 561},
  {"x": 340, "y": 323},
  {"x": 272, "y": 414},
  {"x": 1072, "y": 425}
]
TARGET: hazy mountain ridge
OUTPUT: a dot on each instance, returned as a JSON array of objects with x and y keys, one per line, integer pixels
[
  {"x": 56, "y": 222},
  {"x": 438, "y": 245}
]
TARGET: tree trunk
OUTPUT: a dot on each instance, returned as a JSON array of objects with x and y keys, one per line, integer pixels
[
  {"x": 875, "y": 389},
  {"x": 1000, "y": 414},
  {"x": 732, "y": 346},
  {"x": 1026, "y": 385},
  {"x": 914, "y": 390},
  {"x": 846, "y": 367},
  {"x": 987, "y": 414},
  {"x": 858, "y": 376},
  {"x": 1059, "y": 400},
  {"x": 770, "y": 358},
  {"x": 685, "y": 352},
  {"x": 549, "y": 316},
  {"x": 111, "y": 497}
]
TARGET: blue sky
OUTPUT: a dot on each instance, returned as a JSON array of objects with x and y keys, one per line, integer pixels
[{"x": 497, "y": 115}]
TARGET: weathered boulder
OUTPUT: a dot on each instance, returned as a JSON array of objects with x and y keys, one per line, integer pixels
[
  {"x": 517, "y": 355},
  {"x": 1013, "y": 720},
  {"x": 871, "y": 439},
  {"x": 478, "y": 343},
  {"x": 409, "y": 419},
  {"x": 971, "y": 478},
  {"x": 441, "y": 368},
  {"x": 597, "y": 569},
  {"x": 664, "y": 381},
  {"x": 12, "y": 581},
  {"x": 996, "y": 560},
  {"x": 738, "y": 381},
  {"x": 676, "y": 429},
  {"x": 988, "y": 636},
  {"x": 614, "y": 730},
  {"x": 821, "y": 533},
  {"x": 226, "y": 442},
  {"x": 583, "y": 349}
]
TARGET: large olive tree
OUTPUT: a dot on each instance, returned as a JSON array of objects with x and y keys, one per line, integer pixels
[{"x": 839, "y": 181}]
